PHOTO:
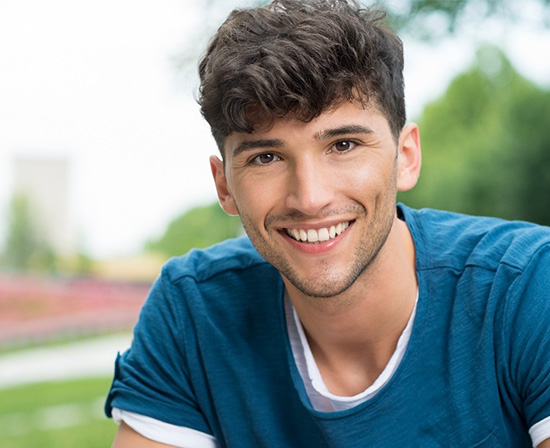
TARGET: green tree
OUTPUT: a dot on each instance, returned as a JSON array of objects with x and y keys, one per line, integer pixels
[
  {"x": 485, "y": 144},
  {"x": 197, "y": 228},
  {"x": 527, "y": 143},
  {"x": 423, "y": 18},
  {"x": 24, "y": 249},
  {"x": 430, "y": 19}
]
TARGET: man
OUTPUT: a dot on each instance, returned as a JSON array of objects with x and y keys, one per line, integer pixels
[{"x": 343, "y": 319}]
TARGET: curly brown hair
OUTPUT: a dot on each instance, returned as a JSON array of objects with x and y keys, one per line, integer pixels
[{"x": 299, "y": 57}]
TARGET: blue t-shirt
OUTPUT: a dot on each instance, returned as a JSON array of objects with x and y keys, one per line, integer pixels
[{"x": 211, "y": 349}]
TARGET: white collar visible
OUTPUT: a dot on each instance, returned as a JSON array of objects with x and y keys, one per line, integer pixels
[{"x": 320, "y": 397}]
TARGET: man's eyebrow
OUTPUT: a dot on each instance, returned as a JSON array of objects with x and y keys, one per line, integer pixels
[
  {"x": 250, "y": 145},
  {"x": 256, "y": 144},
  {"x": 343, "y": 130}
]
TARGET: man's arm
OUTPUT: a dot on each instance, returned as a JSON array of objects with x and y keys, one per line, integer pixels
[
  {"x": 544, "y": 444},
  {"x": 126, "y": 437}
]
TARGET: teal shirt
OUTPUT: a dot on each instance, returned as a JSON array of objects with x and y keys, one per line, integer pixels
[{"x": 211, "y": 349}]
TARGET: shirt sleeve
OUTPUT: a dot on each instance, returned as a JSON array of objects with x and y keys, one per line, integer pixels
[
  {"x": 152, "y": 378},
  {"x": 540, "y": 431},
  {"x": 528, "y": 337},
  {"x": 164, "y": 432}
]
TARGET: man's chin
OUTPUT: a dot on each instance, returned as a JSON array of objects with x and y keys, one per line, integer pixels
[{"x": 321, "y": 289}]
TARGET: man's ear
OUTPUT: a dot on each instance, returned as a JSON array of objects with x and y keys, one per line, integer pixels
[
  {"x": 224, "y": 195},
  {"x": 409, "y": 157}
]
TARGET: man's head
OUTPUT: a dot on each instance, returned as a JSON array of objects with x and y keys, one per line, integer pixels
[{"x": 299, "y": 58}]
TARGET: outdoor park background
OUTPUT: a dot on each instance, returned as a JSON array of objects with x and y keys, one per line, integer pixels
[{"x": 98, "y": 123}]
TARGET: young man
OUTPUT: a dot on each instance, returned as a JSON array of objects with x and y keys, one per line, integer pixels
[{"x": 343, "y": 319}]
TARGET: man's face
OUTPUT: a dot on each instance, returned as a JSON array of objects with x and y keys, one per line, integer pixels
[{"x": 316, "y": 199}]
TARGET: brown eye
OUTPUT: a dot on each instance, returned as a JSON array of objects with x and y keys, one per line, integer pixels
[
  {"x": 265, "y": 159},
  {"x": 344, "y": 146}
]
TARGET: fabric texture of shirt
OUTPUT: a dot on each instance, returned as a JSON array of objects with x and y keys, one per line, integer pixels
[{"x": 211, "y": 349}]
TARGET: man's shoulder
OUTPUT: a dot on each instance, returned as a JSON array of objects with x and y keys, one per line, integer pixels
[
  {"x": 446, "y": 237},
  {"x": 233, "y": 256}
]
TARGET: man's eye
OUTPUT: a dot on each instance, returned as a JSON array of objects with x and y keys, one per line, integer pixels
[
  {"x": 344, "y": 146},
  {"x": 265, "y": 159}
]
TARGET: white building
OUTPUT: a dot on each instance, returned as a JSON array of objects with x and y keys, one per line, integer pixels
[{"x": 45, "y": 182}]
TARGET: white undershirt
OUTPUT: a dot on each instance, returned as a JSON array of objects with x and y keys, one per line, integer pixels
[
  {"x": 162, "y": 432},
  {"x": 318, "y": 393},
  {"x": 320, "y": 397}
]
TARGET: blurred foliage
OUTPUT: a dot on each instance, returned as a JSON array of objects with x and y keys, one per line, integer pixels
[
  {"x": 486, "y": 145},
  {"x": 200, "y": 227},
  {"x": 430, "y": 19},
  {"x": 421, "y": 18},
  {"x": 412, "y": 12},
  {"x": 24, "y": 249}
]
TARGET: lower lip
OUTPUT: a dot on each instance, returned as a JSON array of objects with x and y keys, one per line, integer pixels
[{"x": 316, "y": 248}]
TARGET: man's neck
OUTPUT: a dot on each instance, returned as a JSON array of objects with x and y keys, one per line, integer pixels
[{"x": 353, "y": 336}]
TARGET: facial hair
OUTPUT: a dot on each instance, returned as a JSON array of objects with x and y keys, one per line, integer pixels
[{"x": 328, "y": 283}]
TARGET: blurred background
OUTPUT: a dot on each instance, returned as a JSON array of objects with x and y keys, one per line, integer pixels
[{"x": 104, "y": 169}]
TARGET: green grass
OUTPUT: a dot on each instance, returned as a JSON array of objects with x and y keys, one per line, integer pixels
[{"x": 56, "y": 415}]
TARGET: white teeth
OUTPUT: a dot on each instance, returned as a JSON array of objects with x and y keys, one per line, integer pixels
[
  {"x": 312, "y": 236},
  {"x": 323, "y": 235},
  {"x": 318, "y": 235}
]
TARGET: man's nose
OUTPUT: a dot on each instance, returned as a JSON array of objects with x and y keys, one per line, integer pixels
[{"x": 310, "y": 187}]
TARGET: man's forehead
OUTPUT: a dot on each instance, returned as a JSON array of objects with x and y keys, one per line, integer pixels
[{"x": 262, "y": 121}]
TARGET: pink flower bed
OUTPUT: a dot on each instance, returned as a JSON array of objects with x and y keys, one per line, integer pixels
[{"x": 34, "y": 309}]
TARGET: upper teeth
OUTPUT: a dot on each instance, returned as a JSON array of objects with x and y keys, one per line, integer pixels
[{"x": 318, "y": 235}]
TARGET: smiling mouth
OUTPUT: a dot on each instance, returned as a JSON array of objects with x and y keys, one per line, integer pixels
[{"x": 317, "y": 236}]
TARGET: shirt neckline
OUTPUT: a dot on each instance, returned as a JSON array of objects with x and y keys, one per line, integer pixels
[{"x": 320, "y": 397}]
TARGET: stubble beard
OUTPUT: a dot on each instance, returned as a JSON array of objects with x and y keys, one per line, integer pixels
[{"x": 328, "y": 283}]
